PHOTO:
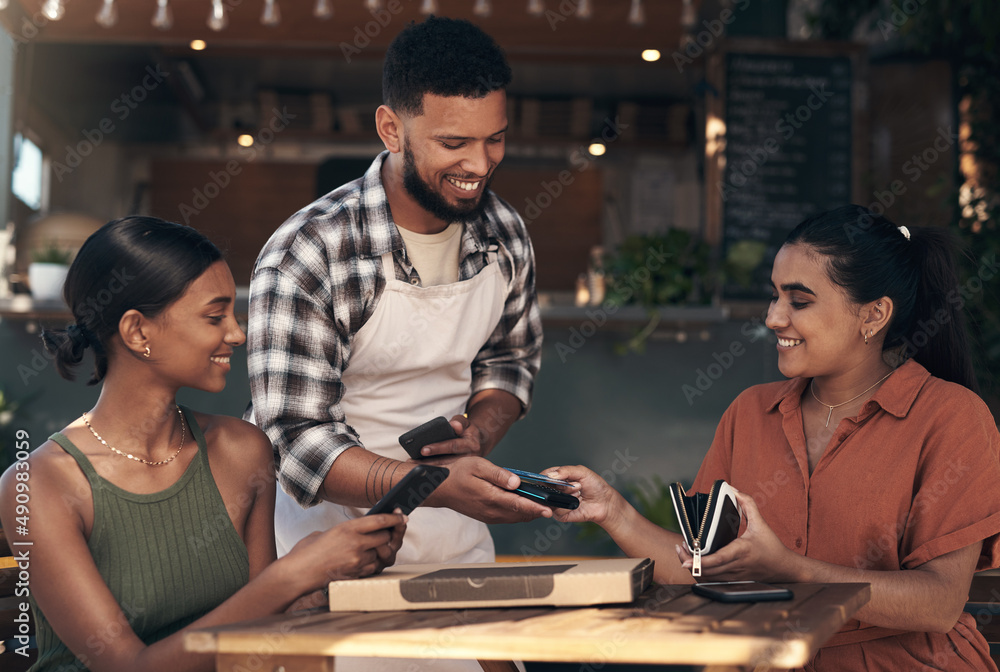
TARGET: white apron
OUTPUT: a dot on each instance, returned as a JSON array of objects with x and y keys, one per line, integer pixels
[{"x": 410, "y": 362}]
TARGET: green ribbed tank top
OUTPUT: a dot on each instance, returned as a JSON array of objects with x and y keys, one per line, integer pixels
[{"x": 168, "y": 557}]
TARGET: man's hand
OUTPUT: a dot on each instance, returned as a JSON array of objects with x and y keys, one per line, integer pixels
[
  {"x": 481, "y": 490},
  {"x": 470, "y": 441}
]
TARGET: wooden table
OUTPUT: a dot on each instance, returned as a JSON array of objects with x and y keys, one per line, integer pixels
[{"x": 666, "y": 625}]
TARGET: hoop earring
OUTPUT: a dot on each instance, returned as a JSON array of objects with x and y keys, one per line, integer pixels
[
  {"x": 866, "y": 338},
  {"x": 146, "y": 354}
]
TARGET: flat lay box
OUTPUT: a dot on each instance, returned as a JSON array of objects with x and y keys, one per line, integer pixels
[{"x": 506, "y": 584}]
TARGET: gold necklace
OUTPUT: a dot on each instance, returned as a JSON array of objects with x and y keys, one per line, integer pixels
[
  {"x": 830, "y": 414},
  {"x": 130, "y": 455}
]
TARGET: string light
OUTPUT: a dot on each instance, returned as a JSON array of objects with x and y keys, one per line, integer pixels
[
  {"x": 323, "y": 10},
  {"x": 3, "y": 5},
  {"x": 429, "y": 7},
  {"x": 584, "y": 10},
  {"x": 536, "y": 7},
  {"x": 53, "y": 10},
  {"x": 482, "y": 8},
  {"x": 688, "y": 14},
  {"x": 650, "y": 55},
  {"x": 163, "y": 18},
  {"x": 107, "y": 16},
  {"x": 271, "y": 16},
  {"x": 373, "y": 5},
  {"x": 217, "y": 18},
  {"x": 637, "y": 14}
]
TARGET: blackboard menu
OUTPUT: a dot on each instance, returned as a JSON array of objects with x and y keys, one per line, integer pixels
[{"x": 788, "y": 149}]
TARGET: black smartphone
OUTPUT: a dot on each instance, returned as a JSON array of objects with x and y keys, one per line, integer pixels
[
  {"x": 432, "y": 431},
  {"x": 546, "y": 495},
  {"x": 412, "y": 489},
  {"x": 741, "y": 591}
]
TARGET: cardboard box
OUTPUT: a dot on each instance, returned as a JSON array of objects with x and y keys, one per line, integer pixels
[{"x": 495, "y": 584}]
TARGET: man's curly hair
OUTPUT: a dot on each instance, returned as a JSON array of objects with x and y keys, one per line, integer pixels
[{"x": 446, "y": 57}]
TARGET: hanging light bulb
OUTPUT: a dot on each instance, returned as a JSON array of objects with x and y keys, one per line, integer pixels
[
  {"x": 373, "y": 5},
  {"x": 107, "y": 16},
  {"x": 53, "y": 10},
  {"x": 688, "y": 14},
  {"x": 482, "y": 8},
  {"x": 271, "y": 16},
  {"x": 536, "y": 7},
  {"x": 429, "y": 7},
  {"x": 323, "y": 10},
  {"x": 163, "y": 18},
  {"x": 584, "y": 10},
  {"x": 217, "y": 18},
  {"x": 637, "y": 14}
]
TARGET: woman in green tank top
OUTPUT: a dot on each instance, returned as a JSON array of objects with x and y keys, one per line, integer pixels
[{"x": 147, "y": 519}]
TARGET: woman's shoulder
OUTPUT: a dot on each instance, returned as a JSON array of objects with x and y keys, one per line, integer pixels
[
  {"x": 234, "y": 440},
  {"x": 950, "y": 402},
  {"x": 48, "y": 469}
]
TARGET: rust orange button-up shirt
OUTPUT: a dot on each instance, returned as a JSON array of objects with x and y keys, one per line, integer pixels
[{"x": 914, "y": 476}]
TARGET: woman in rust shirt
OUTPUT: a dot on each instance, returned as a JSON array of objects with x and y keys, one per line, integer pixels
[{"x": 876, "y": 462}]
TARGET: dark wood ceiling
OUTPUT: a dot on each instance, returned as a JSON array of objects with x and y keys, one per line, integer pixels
[{"x": 558, "y": 34}]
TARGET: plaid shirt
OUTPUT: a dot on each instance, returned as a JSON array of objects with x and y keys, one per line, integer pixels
[{"x": 318, "y": 280}]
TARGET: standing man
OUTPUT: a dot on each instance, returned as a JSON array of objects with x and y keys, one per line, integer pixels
[{"x": 404, "y": 295}]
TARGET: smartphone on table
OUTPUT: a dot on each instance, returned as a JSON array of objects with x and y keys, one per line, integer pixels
[
  {"x": 411, "y": 490},
  {"x": 432, "y": 431},
  {"x": 741, "y": 591}
]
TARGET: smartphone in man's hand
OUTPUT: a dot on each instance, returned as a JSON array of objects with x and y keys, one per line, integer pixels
[{"x": 432, "y": 431}]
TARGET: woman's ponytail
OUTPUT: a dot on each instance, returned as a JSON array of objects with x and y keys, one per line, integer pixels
[{"x": 938, "y": 333}]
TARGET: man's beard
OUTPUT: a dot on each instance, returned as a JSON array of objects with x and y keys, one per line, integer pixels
[{"x": 433, "y": 202}]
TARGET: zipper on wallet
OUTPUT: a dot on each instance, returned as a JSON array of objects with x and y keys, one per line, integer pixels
[{"x": 696, "y": 559}]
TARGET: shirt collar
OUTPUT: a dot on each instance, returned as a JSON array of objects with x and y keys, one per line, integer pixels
[
  {"x": 895, "y": 396},
  {"x": 380, "y": 232}
]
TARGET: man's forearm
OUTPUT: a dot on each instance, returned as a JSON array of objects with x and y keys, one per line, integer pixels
[
  {"x": 360, "y": 478},
  {"x": 493, "y": 411}
]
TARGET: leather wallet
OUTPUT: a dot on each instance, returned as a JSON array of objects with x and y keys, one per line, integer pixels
[{"x": 708, "y": 521}]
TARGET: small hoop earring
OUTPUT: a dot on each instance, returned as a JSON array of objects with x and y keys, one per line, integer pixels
[
  {"x": 146, "y": 354},
  {"x": 866, "y": 339}
]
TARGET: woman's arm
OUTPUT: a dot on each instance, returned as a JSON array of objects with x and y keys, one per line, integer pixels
[
  {"x": 72, "y": 594},
  {"x": 633, "y": 533},
  {"x": 928, "y": 598}
]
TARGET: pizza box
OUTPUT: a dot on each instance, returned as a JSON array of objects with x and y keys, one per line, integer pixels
[{"x": 495, "y": 584}]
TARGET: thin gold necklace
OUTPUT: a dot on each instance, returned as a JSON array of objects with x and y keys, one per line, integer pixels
[
  {"x": 130, "y": 455},
  {"x": 812, "y": 384}
]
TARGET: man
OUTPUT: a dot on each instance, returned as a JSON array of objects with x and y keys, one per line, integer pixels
[{"x": 404, "y": 295}]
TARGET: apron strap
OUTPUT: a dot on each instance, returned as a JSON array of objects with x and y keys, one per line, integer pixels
[{"x": 388, "y": 267}]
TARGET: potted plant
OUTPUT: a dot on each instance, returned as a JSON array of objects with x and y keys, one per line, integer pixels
[{"x": 47, "y": 271}]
